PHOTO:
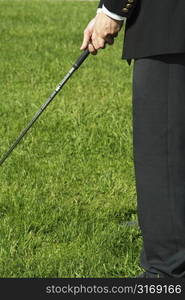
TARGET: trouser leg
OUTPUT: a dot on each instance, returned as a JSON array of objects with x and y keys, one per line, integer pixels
[{"x": 159, "y": 161}]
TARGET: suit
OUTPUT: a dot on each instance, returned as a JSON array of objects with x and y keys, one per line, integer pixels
[
  {"x": 155, "y": 39},
  {"x": 152, "y": 27}
]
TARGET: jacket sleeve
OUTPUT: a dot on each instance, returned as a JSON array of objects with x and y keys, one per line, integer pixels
[
  {"x": 100, "y": 4},
  {"x": 122, "y": 8}
]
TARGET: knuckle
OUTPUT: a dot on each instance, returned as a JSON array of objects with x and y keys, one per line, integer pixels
[
  {"x": 86, "y": 31},
  {"x": 101, "y": 44}
]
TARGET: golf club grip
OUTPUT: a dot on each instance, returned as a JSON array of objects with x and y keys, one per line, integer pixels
[{"x": 81, "y": 59}]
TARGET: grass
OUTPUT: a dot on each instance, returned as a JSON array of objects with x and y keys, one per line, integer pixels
[{"x": 68, "y": 188}]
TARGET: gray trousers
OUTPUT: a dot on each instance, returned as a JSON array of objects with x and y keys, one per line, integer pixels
[{"x": 159, "y": 161}]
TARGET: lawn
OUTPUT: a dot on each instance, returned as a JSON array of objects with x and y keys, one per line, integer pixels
[{"x": 68, "y": 189}]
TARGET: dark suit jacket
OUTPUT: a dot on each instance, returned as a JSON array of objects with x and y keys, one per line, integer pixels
[{"x": 153, "y": 27}]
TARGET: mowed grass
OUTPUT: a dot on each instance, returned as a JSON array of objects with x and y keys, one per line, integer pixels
[{"x": 68, "y": 189}]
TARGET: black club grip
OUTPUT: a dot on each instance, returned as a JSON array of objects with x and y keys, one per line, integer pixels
[{"x": 81, "y": 59}]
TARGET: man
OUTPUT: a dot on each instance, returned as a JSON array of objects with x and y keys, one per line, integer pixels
[{"x": 155, "y": 40}]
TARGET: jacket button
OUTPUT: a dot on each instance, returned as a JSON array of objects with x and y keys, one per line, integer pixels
[
  {"x": 130, "y": 1},
  {"x": 129, "y": 5},
  {"x": 125, "y": 10}
]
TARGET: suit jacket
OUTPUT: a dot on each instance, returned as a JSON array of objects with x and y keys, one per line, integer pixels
[{"x": 153, "y": 27}]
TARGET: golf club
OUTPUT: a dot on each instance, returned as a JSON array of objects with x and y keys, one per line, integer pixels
[{"x": 77, "y": 64}]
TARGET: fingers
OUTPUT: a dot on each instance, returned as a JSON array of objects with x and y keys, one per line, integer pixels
[
  {"x": 110, "y": 40},
  {"x": 94, "y": 43},
  {"x": 86, "y": 39},
  {"x": 98, "y": 42},
  {"x": 91, "y": 49}
]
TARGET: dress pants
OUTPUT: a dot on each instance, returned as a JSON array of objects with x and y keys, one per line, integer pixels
[{"x": 159, "y": 161}]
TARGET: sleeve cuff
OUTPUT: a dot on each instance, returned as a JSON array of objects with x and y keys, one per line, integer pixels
[
  {"x": 110, "y": 14},
  {"x": 99, "y": 10}
]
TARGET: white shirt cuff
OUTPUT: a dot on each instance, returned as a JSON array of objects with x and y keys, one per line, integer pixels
[
  {"x": 99, "y": 10},
  {"x": 110, "y": 14}
]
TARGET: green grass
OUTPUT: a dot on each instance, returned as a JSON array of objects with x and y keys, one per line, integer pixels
[{"x": 68, "y": 188}]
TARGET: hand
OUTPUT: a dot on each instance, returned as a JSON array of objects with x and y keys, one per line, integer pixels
[
  {"x": 100, "y": 30},
  {"x": 87, "y": 36}
]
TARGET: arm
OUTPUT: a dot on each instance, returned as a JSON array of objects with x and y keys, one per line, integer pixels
[{"x": 107, "y": 23}]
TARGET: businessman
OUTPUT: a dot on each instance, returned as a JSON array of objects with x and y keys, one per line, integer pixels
[{"x": 155, "y": 41}]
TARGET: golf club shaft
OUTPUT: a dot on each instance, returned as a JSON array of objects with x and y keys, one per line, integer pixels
[{"x": 77, "y": 64}]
